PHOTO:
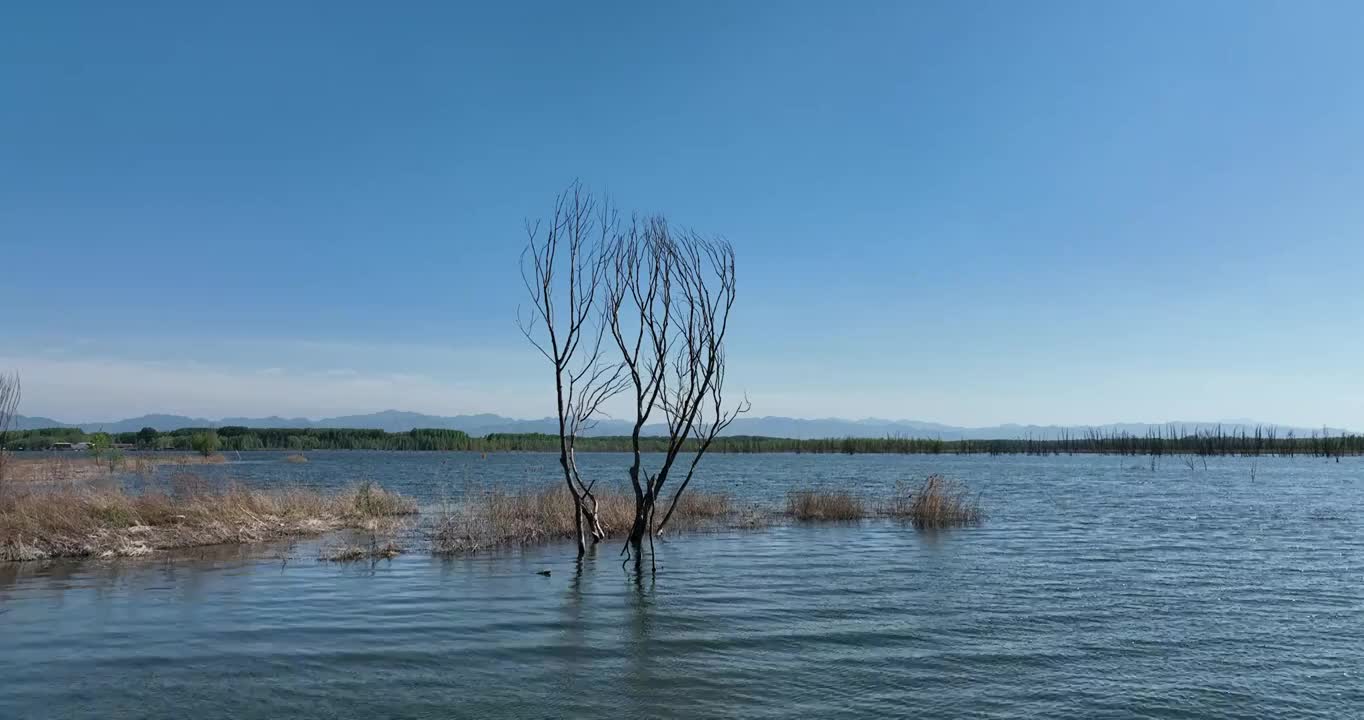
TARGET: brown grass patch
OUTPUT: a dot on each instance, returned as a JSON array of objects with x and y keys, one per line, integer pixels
[
  {"x": 80, "y": 467},
  {"x": 493, "y": 518},
  {"x": 74, "y": 520},
  {"x": 368, "y": 500},
  {"x": 824, "y": 505},
  {"x": 354, "y": 553},
  {"x": 937, "y": 503},
  {"x": 197, "y": 459},
  {"x": 752, "y": 517},
  {"x": 55, "y": 469}
]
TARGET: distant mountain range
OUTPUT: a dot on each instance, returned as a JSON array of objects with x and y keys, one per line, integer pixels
[{"x": 785, "y": 427}]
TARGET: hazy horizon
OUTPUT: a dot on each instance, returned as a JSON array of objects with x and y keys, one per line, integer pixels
[
  {"x": 1051, "y": 213},
  {"x": 750, "y": 417}
]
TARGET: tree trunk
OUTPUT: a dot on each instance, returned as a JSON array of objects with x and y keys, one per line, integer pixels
[
  {"x": 644, "y": 509},
  {"x": 594, "y": 519},
  {"x": 578, "y": 526}
]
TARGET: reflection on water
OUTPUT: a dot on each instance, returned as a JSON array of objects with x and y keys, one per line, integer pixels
[{"x": 1094, "y": 591}]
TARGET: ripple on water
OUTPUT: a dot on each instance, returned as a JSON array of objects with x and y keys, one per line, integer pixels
[{"x": 1093, "y": 591}]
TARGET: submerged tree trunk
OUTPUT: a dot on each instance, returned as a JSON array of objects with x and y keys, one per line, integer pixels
[
  {"x": 593, "y": 515},
  {"x": 586, "y": 511},
  {"x": 564, "y": 327},
  {"x": 669, "y": 297},
  {"x": 578, "y": 531},
  {"x": 577, "y": 504},
  {"x": 644, "y": 511}
]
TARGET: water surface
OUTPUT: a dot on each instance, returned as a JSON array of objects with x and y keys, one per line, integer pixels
[{"x": 1098, "y": 589}]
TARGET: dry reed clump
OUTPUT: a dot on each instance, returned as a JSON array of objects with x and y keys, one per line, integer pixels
[
  {"x": 824, "y": 505},
  {"x": 354, "y": 553},
  {"x": 345, "y": 553},
  {"x": 140, "y": 464},
  {"x": 73, "y": 520},
  {"x": 494, "y": 518},
  {"x": 937, "y": 503},
  {"x": 56, "y": 469},
  {"x": 752, "y": 517},
  {"x": 78, "y": 467},
  {"x": 196, "y": 459},
  {"x": 368, "y": 500},
  {"x": 696, "y": 509}
]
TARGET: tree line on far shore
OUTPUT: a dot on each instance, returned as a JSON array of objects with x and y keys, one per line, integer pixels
[{"x": 1262, "y": 441}]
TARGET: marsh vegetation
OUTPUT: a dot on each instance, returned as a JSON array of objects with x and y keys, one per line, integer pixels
[
  {"x": 74, "y": 507},
  {"x": 489, "y": 518},
  {"x": 824, "y": 505},
  {"x": 79, "y": 519},
  {"x": 935, "y": 503}
]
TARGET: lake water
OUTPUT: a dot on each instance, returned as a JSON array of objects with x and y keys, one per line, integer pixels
[{"x": 1097, "y": 589}]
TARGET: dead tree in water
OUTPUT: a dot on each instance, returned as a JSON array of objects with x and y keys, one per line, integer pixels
[
  {"x": 668, "y": 300},
  {"x": 563, "y": 269},
  {"x": 10, "y": 391}
]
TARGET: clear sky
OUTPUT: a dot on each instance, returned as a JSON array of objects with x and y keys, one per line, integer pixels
[{"x": 966, "y": 212}]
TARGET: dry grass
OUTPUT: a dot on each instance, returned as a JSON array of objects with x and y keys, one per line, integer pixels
[
  {"x": 55, "y": 469},
  {"x": 345, "y": 553},
  {"x": 937, "y": 503},
  {"x": 354, "y": 553},
  {"x": 493, "y": 518},
  {"x": 824, "y": 505},
  {"x": 752, "y": 517},
  {"x": 76, "y": 520},
  {"x": 368, "y": 500},
  {"x": 378, "y": 512},
  {"x": 696, "y": 506},
  {"x": 81, "y": 467}
]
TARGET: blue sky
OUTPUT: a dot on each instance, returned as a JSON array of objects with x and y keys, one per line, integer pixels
[{"x": 971, "y": 213}]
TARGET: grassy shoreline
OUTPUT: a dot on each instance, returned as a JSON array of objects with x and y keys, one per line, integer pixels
[
  {"x": 88, "y": 521},
  {"x": 86, "y": 515},
  {"x": 79, "y": 467}
]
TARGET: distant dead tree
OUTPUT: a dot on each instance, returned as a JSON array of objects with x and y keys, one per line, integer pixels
[
  {"x": 669, "y": 295},
  {"x": 563, "y": 268},
  {"x": 10, "y": 392}
]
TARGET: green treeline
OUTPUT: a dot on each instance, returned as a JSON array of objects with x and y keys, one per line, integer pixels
[
  {"x": 1261, "y": 442},
  {"x": 242, "y": 438},
  {"x": 1171, "y": 441}
]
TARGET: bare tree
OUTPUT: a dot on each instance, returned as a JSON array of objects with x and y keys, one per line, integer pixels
[
  {"x": 711, "y": 420},
  {"x": 563, "y": 267},
  {"x": 669, "y": 295},
  {"x": 10, "y": 392}
]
